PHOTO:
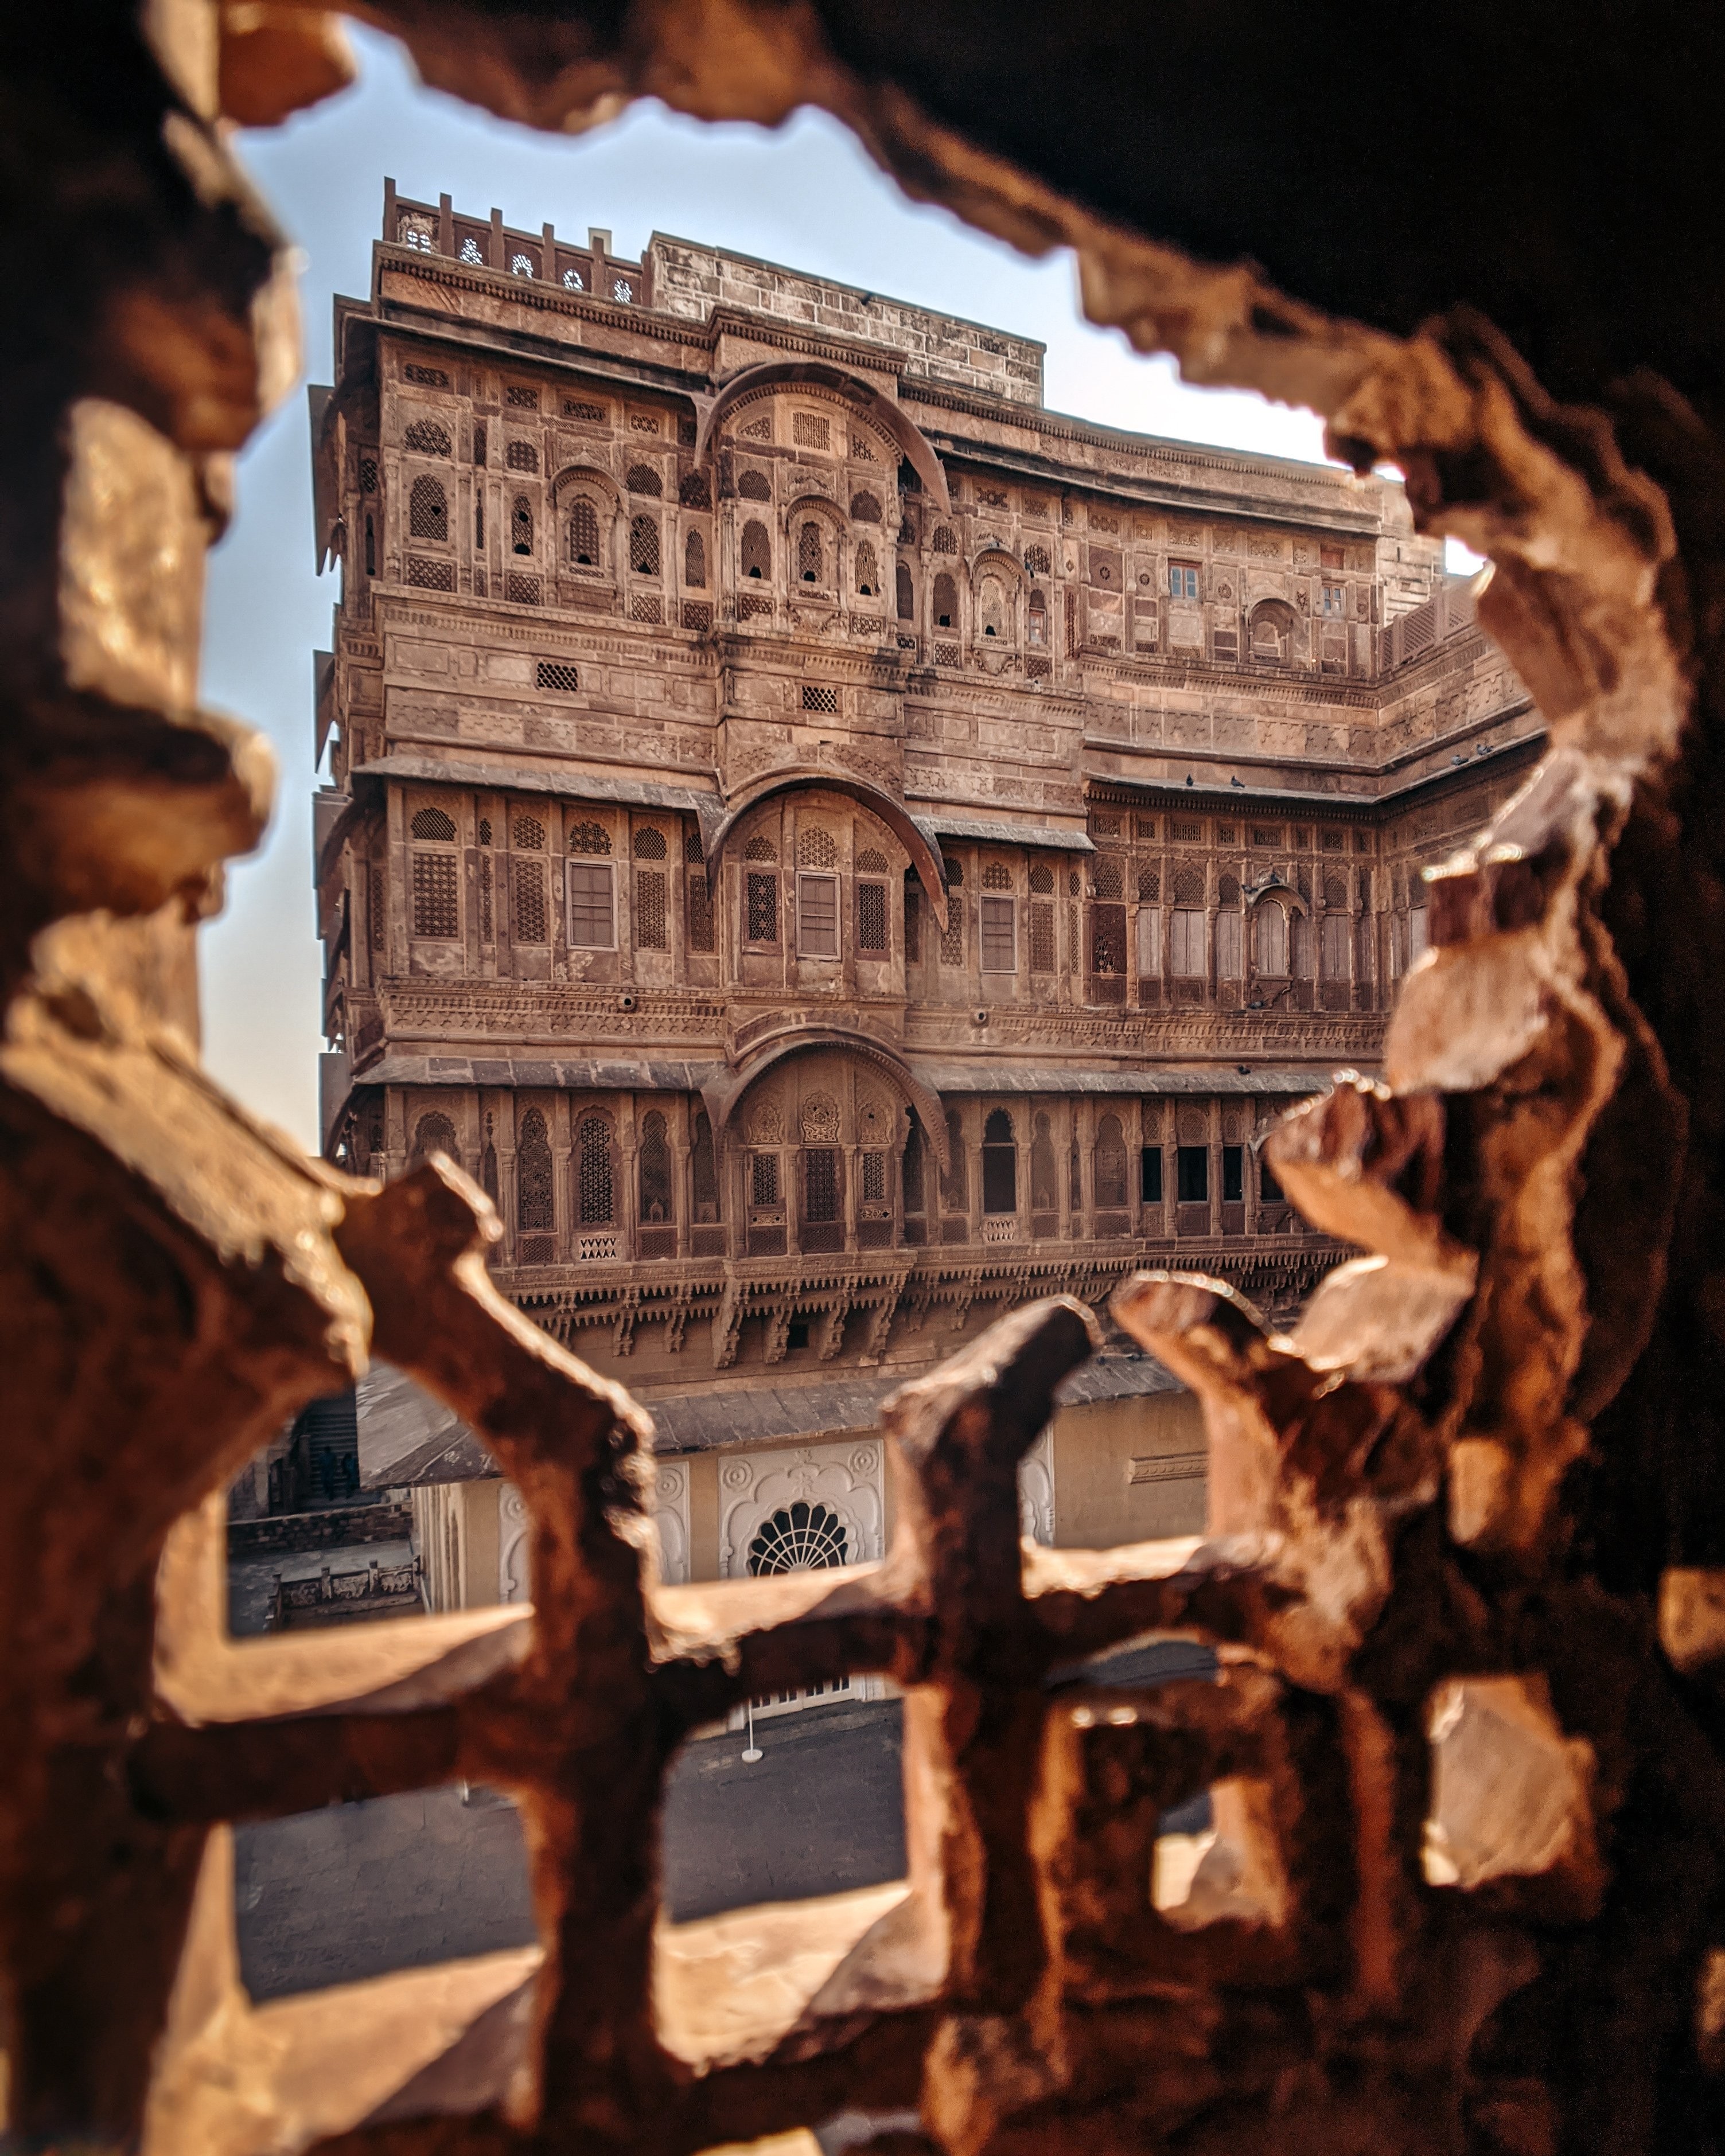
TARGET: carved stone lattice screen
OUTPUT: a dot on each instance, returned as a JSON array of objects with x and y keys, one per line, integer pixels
[{"x": 1467, "y": 1522}]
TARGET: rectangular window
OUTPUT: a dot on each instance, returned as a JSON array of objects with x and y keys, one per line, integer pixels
[
  {"x": 763, "y": 1180},
  {"x": 817, "y": 917},
  {"x": 1149, "y": 941},
  {"x": 1000, "y": 937},
  {"x": 1042, "y": 935},
  {"x": 1183, "y": 580},
  {"x": 761, "y": 907},
  {"x": 592, "y": 925},
  {"x": 1192, "y": 1175},
  {"x": 1270, "y": 1191},
  {"x": 1107, "y": 939},
  {"x": 700, "y": 911},
  {"x": 1334, "y": 600},
  {"x": 1228, "y": 942},
  {"x": 527, "y": 882},
  {"x": 1186, "y": 942},
  {"x": 649, "y": 910},
  {"x": 1333, "y": 946},
  {"x": 913, "y": 925},
  {"x": 1233, "y": 1174},
  {"x": 820, "y": 1183},
  {"x": 1417, "y": 938},
  {"x": 871, "y": 919},
  {"x": 435, "y": 882},
  {"x": 1150, "y": 1175}
]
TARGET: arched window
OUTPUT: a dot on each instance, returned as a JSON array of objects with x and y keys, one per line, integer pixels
[
  {"x": 522, "y": 265},
  {"x": 1271, "y": 938},
  {"x": 433, "y": 824},
  {"x": 521, "y": 525},
  {"x": 371, "y": 550},
  {"x": 1110, "y": 1165},
  {"x": 1000, "y": 1164},
  {"x": 757, "y": 550},
  {"x": 798, "y": 1538},
  {"x": 703, "y": 1171},
  {"x": 915, "y": 1169},
  {"x": 993, "y": 607},
  {"x": 694, "y": 562},
  {"x": 655, "y": 1169},
  {"x": 643, "y": 546},
  {"x": 1036, "y": 561},
  {"x": 534, "y": 1211},
  {"x": 596, "y": 1199},
  {"x": 755, "y": 487},
  {"x": 521, "y": 457},
  {"x": 944, "y": 541},
  {"x": 945, "y": 601},
  {"x": 428, "y": 509},
  {"x": 427, "y": 438},
  {"x": 868, "y": 576},
  {"x": 906, "y": 594},
  {"x": 809, "y": 553},
  {"x": 583, "y": 532},
  {"x": 1044, "y": 1191},
  {"x": 954, "y": 1195},
  {"x": 644, "y": 480},
  {"x": 694, "y": 492},
  {"x": 432, "y": 1134},
  {"x": 865, "y": 508}
]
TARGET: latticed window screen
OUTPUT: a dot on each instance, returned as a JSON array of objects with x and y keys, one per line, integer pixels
[
  {"x": 1042, "y": 935},
  {"x": 521, "y": 396},
  {"x": 648, "y": 843},
  {"x": 478, "y": 441},
  {"x": 535, "y": 1209},
  {"x": 436, "y": 901},
  {"x": 763, "y": 1180},
  {"x": 694, "y": 562},
  {"x": 589, "y": 839},
  {"x": 432, "y": 1134},
  {"x": 644, "y": 546},
  {"x": 591, "y": 926},
  {"x": 904, "y": 595},
  {"x": 798, "y": 1538},
  {"x": 761, "y": 907},
  {"x": 953, "y": 935},
  {"x": 649, "y": 910},
  {"x": 1107, "y": 939},
  {"x": 654, "y": 1169},
  {"x": 998, "y": 936},
  {"x": 368, "y": 474},
  {"x": 700, "y": 911},
  {"x": 703, "y": 1170},
  {"x": 874, "y": 1177},
  {"x": 757, "y": 552},
  {"x": 549, "y": 674},
  {"x": 594, "y": 1191},
  {"x": 429, "y": 575},
  {"x": 487, "y": 922},
  {"x": 872, "y": 918},
  {"x": 427, "y": 438},
  {"x": 868, "y": 574},
  {"x": 583, "y": 532},
  {"x": 820, "y": 1183},
  {"x": 527, "y": 882},
  {"x": 644, "y": 480},
  {"x": 374, "y": 907},
  {"x": 694, "y": 492},
  {"x": 521, "y": 457},
  {"x": 818, "y": 696},
  {"x": 811, "y": 430},
  {"x": 809, "y": 553},
  {"x": 428, "y": 509}
]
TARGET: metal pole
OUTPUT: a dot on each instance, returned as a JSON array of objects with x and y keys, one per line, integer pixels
[{"x": 753, "y": 1752}]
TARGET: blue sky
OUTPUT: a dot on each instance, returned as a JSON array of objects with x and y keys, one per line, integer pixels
[{"x": 804, "y": 194}]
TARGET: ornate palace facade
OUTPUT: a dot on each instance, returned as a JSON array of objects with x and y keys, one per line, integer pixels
[{"x": 837, "y": 849}]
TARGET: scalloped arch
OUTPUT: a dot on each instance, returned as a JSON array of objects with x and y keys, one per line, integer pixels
[
  {"x": 921, "y": 845},
  {"x": 873, "y": 404}
]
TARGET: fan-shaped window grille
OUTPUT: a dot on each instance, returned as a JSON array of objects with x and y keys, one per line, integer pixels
[
  {"x": 755, "y": 487},
  {"x": 574, "y": 282},
  {"x": 521, "y": 525},
  {"x": 592, "y": 1173},
  {"x": 432, "y": 1134},
  {"x": 809, "y": 553},
  {"x": 1110, "y": 1165},
  {"x": 655, "y": 1169},
  {"x": 521, "y": 457},
  {"x": 906, "y": 594},
  {"x": 1189, "y": 884},
  {"x": 649, "y": 845},
  {"x": 644, "y": 546},
  {"x": 946, "y": 601},
  {"x": 534, "y": 1210},
  {"x": 470, "y": 251},
  {"x": 694, "y": 852},
  {"x": 871, "y": 861},
  {"x": 954, "y": 1198},
  {"x": 427, "y": 438},
  {"x": 997, "y": 877},
  {"x": 694, "y": 562},
  {"x": 1036, "y": 561},
  {"x": 644, "y": 480},
  {"x": 1149, "y": 884},
  {"x": 820, "y": 1119},
  {"x": 799, "y": 1538},
  {"x": 1042, "y": 879},
  {"x": 914, "y": 1169},
  {"x": 522, "y": 265},
  {"x": 760, "y": 849},
  {"x": 1110, "y": 882},
  {"x": 1044, "y": 1193},
  {"x": 428, "y": 509},
  {"x": 1227, "y": 890},
  {"x": 866, "y": 507},
  {"x": 527, "y": 881},
  {"x": 703, "y": 1171},
  {"x": 1000, "y": 1164},
  {"x": 1335, "y": 892},
  {"x": 583, "y": 532},
  {"x": 757, "y": 550},
  {"x": 816, "y": 849},
  {"x": 435, "y": 906},
  {"x": 529, "y": 832},
  {"x": 694, "y": 492},
  {"x": 433, "y": 824},
  {"x": 868, "y": 576},
  {"x": 589, "y": 839},
  {"x": 944, "y": 542}
]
